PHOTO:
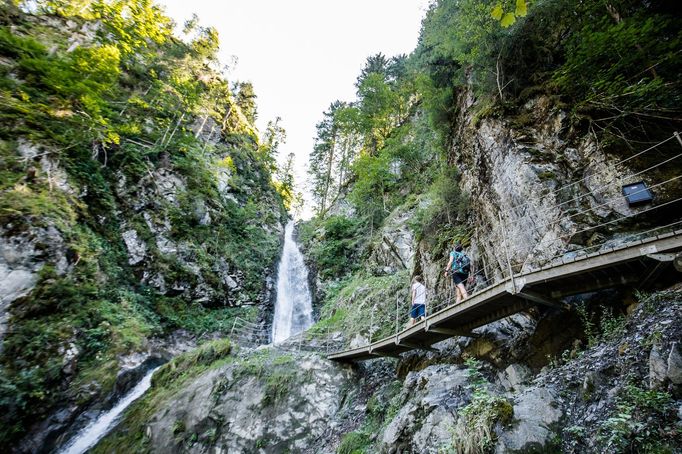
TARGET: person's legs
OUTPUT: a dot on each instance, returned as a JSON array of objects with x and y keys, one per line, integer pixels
[
  {"x": 458, "y": 295},
  {"x": 463, "y": 291},
  {"x": 421, "y": 312}
]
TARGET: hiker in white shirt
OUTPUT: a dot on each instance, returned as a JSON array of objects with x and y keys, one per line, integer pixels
[{"x": 418, "y": 310}]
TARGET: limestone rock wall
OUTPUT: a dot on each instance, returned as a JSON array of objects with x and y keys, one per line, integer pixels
[{"x": 520, "y": 173}]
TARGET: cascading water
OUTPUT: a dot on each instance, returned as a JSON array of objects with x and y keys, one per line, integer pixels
[
  {"x": 293, "y": 308},
  {"x": 93, "y": 432}
]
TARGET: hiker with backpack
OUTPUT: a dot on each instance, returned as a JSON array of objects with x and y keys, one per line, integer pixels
[{"x": 459, "y": 266}]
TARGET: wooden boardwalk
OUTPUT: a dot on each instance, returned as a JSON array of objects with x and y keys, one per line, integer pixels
[{"x": 635, "y": 264}]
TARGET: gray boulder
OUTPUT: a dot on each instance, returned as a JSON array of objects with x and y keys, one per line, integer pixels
[
  {"x": 137, "y": 250},
  {"x": 425, "y": 420},
  {"x": 535, "y": 413},
  {"x": 657, "y": 368},
  {"x": 514, "y": 376},
  {"x": 285, "y": 408}
]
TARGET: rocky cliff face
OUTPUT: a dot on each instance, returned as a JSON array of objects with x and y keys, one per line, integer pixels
[
  {"x": 519, "y": 173},
  {"x": 136, "y": 208}
]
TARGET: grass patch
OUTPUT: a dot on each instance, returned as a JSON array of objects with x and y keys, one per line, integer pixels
[
  {"x": 365, "y": 305},
  {"x": 473, "y": 432}
]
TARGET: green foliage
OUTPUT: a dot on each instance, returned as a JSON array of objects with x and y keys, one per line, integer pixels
[
  {"x": 354, "y": 443},
  {"x": 333, "y": 243},
  {"x": 118, "y": 107},
  {"x": 612, "y": 326},
  {"x": 278, "y": 385},
  {"x": 607, "y": 328},
  {"x": 191, "y": 363},
  {"x": 443, "y": 206},
  {"x": 474, "y": 430},
  {"x": 588, "y": 325},
  {"x": 640, "y": 422},
  {"x": 506, "y": 16},
  {"x": 365, "y": 305},
  {"x": 627, "y": 66}
]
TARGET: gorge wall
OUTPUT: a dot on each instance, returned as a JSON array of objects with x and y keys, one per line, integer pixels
[
  {"x": 139, "y": 219},
  {"x": 137, "y": 209}
]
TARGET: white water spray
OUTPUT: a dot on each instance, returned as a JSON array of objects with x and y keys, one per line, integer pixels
[
  {"x": 97, "y": 429},
  {"x": 293, "y": 308}
]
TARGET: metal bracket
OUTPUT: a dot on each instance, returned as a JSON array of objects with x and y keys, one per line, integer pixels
[{"x": 663, "y": 257}]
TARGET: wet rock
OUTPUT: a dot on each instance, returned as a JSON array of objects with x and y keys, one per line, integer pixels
[
  {"x": 396, "y": 247},
  {"x": 359, "y": 341},
  {"x": 436, "y": 431},
  {"x": 156, "y": 280},
  {"x": 674, "y": 369},
  {"x": 23, "y": 253},
  {"x": 201, "y": 213},
  {"x": 592, "y": 381},
  {"x": 169, "y": 185},
  {"x": 535, "y": 413},
  {"x": 46, "y": 433},
  {"x": 70, "y": 355},
  {"x": 133, "y": 368},
  {"x": 137, "y": 250},
  {"x": 507, "y": 165},
  {"x": 657, "y": 368}
]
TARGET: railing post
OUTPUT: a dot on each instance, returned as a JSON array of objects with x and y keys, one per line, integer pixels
[
  {"x": 397, "y": 312},
  {"x": 426, "y": 308},
  {"x": 506, "y": 253},
  {"x": 233, "y": 325}
]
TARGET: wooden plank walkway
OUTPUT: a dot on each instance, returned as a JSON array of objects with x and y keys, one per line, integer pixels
[{"x": 631, "y": 263}]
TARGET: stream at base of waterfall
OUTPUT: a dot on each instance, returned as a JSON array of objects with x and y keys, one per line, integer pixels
[{"x": 293, "y": 307}]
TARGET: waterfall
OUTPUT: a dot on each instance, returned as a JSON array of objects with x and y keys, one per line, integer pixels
[
  {"x": 97, "y": 429},
  {"x": 293, "y": 308}
]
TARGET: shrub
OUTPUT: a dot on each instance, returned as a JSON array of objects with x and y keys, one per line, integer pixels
[
  {"x": 191, "y": 362},
  {"x": 473, "y": 432}
]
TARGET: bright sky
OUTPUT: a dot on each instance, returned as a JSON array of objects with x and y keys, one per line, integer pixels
[{"x": 301, "y": 55}]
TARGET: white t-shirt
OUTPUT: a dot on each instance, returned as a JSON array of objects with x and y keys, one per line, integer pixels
[{"x": 419, "y": 292}]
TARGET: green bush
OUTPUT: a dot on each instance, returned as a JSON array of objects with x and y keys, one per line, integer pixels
[
  {"x": 474, "y": 430},
  {"x": 333, "y": 243},
  {"x": 354, "y": 443},
  {"x": 191, "y": 362},
  {"x": 640, "y": 423}
]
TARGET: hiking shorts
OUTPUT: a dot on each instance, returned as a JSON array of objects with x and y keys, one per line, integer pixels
[
  {"x": 459, "y": 278},
  {"x": 418, "y": 310}
]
